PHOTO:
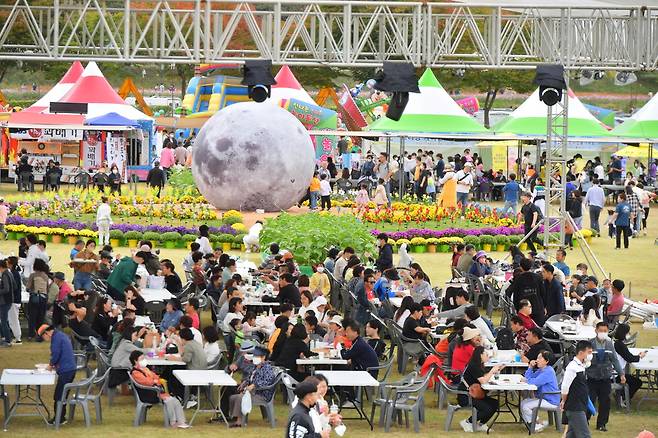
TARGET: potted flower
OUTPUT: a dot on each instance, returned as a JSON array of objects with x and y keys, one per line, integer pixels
[
  {"x": 116, "y": 238},
  {"x": 43, "y": 233},
  {"x": 188, "y": 239},
  {"x": 57, "y": 235},
  {"x": 472, "y": 240},
  {"x": 487, "y": 241},
  {"x": 237, "y": 241},
  {"x": 502, "y": 243},
  {"x": 432, "y": 243},
  {"x": 171, "y": 239},
  {"x": 514, "y": 239},
  {"x": 444, "y": 244},
  {"x": 232, "y": 217},
  {"x": 11, "y": 231},
  {"x": 132, "y": 237},
  {"x": 418, "y": 245},
  {"x": 72, "y": 235},
  {"x": 226, "y": 240},
  {"x": 152, "y": 237}
]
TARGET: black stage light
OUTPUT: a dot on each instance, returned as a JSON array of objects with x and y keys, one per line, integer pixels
[
  {"x": 400, "y": 79},
  {"x": 550, "y": 78},
  {"x": 257, "y": 76}
]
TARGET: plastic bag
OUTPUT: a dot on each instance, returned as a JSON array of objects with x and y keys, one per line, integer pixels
[{"x": 245, "y": 405}]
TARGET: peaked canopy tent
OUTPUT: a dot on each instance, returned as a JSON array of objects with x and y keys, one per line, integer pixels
[
  {"x": 288, "y": 87},
  {"x": 529, "y": 119},
  {"x": 59, "y": 90},
  {"x": 112, "y": 119},
  {"x": 642, "y": 124},
  {"x": 431, "y": 111}
]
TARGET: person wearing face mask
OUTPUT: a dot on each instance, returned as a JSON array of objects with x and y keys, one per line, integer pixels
[
  {"x": 574, "y": 392},
  {"x": 144, "y": 376},
  {"x": 319, "y": 281},
  {"x": 599, "y": 374}
]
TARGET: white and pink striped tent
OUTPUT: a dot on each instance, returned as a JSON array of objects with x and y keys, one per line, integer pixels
[{"x": 59, "y": 90}]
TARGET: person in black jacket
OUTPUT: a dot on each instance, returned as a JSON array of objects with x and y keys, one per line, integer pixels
[
  {"x": 553, "y": 297},
  {"x": 288, "y": 292},
  {"x": 300, "y": 423},
  {"x": 6, "y": 302},
  {"x": 361, "y": 355},
  {"x": 537, "y": 344},
  {"x": 14, "y": 322},
  {"x": 385, "y": 259},
  {"x": 172, "y": 281},
  {"x": 156, "y": 177},
  {"x": 295, "y": 347},
  {"x": 625, "y": 357},
  {"x": 528, "y": 286}
]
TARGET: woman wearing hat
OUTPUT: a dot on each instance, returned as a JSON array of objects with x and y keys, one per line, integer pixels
[
  {"x": 481, "y": 265},
  {"x": 448, "y": 196},
  {"x": 263, "y": 375},
  {"x": 470, "y": 340}
]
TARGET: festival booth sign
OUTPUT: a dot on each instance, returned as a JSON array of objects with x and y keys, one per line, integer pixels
[{"x": 316, "y": 118}]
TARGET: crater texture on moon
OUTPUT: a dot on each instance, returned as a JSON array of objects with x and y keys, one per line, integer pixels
[{"x": 253, "y": 155}]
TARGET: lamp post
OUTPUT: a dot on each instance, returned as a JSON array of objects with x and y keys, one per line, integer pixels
[{"x": 172, "y": 89}]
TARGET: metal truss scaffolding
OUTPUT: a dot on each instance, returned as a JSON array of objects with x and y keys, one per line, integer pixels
[{"x": 331, "y": 32}]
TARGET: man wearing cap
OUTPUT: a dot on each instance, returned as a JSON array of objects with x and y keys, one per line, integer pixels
[
  {"x": 300, "y": 423},
  {"x": 124, "y": 274},
  {"x": 62, "y": 360},
  {"x": 464, "y": 184}
]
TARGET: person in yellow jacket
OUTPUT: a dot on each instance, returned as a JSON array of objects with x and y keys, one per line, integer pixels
[
  {"x": 448, "y": 183},
  {"x": 314, "y": 188}
]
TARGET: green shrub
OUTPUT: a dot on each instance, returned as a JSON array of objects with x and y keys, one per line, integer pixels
[
  {"x": 152, "y": 236},
  {"x": 133, "y": 235},
  {"x": 502, "y": 240},
  {"x": 472, "y": 240},
  {"x": 116, "y": 234},
  {"x": 309, "y": 236},
  {"x": 189, "y": 237},
  {"x": 238, "y": 238},
  {"x": 487, "y": 239},
  {"x": 514, "y": 239},
  {"x": 171, "y": 236}
]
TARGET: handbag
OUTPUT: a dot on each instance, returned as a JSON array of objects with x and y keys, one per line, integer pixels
[{"x": 475, "y": 391}]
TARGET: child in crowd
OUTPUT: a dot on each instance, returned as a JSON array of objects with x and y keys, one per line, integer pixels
[
  {"x": 362, "y": 198},
  {"x": 325, "y": 192},
  {"x": 610, "y": 222},
  {"x": 380, "y": 194}
]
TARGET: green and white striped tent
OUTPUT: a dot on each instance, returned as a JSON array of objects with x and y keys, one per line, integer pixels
[
  {"x": 642, "y": 124},
  {"x": 430, "y": 111},
  {"x": 530, "y": 119}
]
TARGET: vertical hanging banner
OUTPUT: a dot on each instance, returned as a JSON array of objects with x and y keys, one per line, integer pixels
[
  {"x": 116, "y": 153},
  {"x": 499, "y": 157},
  {"x": 91, "y": 149},
  {"x": 316, "y": 118}
]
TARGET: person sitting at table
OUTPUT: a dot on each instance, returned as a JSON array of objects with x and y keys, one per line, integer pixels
[
  {"x": 373, "y": 333},
  {"x": 231, "y": 292},
  {"x": 123, "y": 275},
  {"x": 192, "y": 310},
  {"x": 403, "y": 311},
  {"x": 616, "y": 304},
  {"x": 105, "y": 317},
  {"x": 120, "y": 357},
  {"x": 536, "y": 342},
  {"x": 193, "y": 354},
  {"x": 288, "y": 292},
  {"x": 211, "y": 344},
  {"x": 383, "y": 286},
  {"x": 145, "y": 377},
  {"x": 134, "y": 301},
  {"x": 284, "y": 334},
  {"x": 77, "y": 313},
  {"x": 104, "y": 265},
  {"x": 447, "y": 345},
  {"x": 474, "y": 373},
  {"x": 520, "y": 334},
  {"x": 235, "y": 311},
  {"x": 469, "y": 340},
  {"x": 590, "y": 315},
  {"x": 62, "y": 361},
  {"x": 151, "y": 261},
  {"x": 624, "y": 356},
  {"x": 172, "y": 281},
  {"x": 187, "y": 322},
  {"x": 172, "y": 315},
  {"x": 262, "y": 375},
  {"x": 553, "y": 291},
  {"x": 413, "y": 330},
  {"x": 466, "y": 259},
  {"x": 361, "y": 355},
  {"x": 481, "y": 266},
  {"x": 525, "y": 313},
  {"x": 295, "y": 347},
  {"x": 313, "y": 328},
  {"x": 541, "y": 374},
  {"x": 307, "y": 303},
  {"x": 462, "y": 301},
  {"x": 319, "y": 281},
  {"x": 473, "y": 316},
  {"x": 198, "y": 274},
  {"x": 421, "y": 289},
  {"x": 280, "y": 323}
]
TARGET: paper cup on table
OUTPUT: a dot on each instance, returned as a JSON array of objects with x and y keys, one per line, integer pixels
[{"x": 321, "y": 355}]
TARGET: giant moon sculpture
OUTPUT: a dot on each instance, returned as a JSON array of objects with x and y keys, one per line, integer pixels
[{"x": 253, "y": 155}]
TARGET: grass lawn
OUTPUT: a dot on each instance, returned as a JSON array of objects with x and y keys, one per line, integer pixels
[{"x": 635, "y": 266}]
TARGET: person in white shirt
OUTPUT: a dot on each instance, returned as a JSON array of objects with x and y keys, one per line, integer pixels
[
  {"x": 464, "y": 184},
  {"x": 599, "y": 170},
  {"x": 325, "y": 192},
  {"x": 103, "y": 222},
  {"x": 203, "y": 241},
  {"x": 251, "y": 240},
  {"x": 575, "y": 393},
  {"x": 595, "y": 199},
  {"x": 235, "y": 311},
  {"x": 210, "y": 346},
  {"x": 472, "y": 314},
  {"x": 33, "y": 253}
]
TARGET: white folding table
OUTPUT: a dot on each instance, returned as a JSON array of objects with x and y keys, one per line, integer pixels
[
  {"x": 584, "y": 333},
  {"x": 162, "y": 362},
  {"x": 507, "y": 358},
  {"x": 206, "y": 379},
  {"x": 647, "y": 370},
  {"x": 352, "y": 379},
  {"x": 315, "y": 361},
  {"x": 30, "y": 395},
  {"x": 504, "y": 384},
  {"x": 151, "y": 295}
]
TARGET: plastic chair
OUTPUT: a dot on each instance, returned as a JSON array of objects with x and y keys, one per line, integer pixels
[
  {"x": 141, "y": 406},
  {"x": 101, "y": 383},
  {"x": 383, "y": 397},
  {"x": 81, "y": 363},
  {"x": 81, "y": 180},
  {"x": 155, "y": 310},
  {"x": 553, "y": 412},
  {"x": 74, "y": 394},
  {"x": 290, "y": 384},
  {"x": 5, "y": 401},
  {"x": 267, "y": 407},
  {"x": 454, "y": 408},
  {"x": 409, "y": 399}
]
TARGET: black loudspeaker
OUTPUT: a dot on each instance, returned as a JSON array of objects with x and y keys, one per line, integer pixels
[{"x": 397, "y": 105}]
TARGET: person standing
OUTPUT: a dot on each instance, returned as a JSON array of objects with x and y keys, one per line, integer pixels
[
  {"x": 103, "y": 221},
  {"x": 574, "y": 398},
  {"x": 636, "y": 209},
  {"x": 314, "y": 189},
  {"x": 382, "y": 171},
  {"x": 62, "y": 360},
  {"x": 14, "y": 321},
  {"x": 511, "y": 191},
  {"x": 553, "y": 296},
  {"x": 325, "y": 192},
  {"x": 300, "y": 424},
  {"x": 156, "y": 177},
  {"x": 622, "y": 221},
  {"x": 167, "y": 158},
  {"x": 464, "y": 184},
  {"x": 448, "y": 196},
  {"x": 595, "y": 200},
  {"x": 4, "y": 212},
  {"x": 6, "y": 303},
  {"x": 385, "y": 257},
  {"x": 180, "y": 153},
  {"x": 531, "y": 216}
]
